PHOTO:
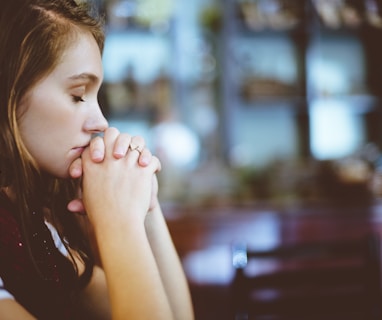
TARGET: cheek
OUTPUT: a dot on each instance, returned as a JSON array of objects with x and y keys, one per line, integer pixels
[
  {"x": 43, "y": 137},
  {"x": 50, "y": 117},
  {"x": 31, "y": 129}
]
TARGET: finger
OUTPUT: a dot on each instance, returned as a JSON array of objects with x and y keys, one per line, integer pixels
[
  {"x": 121, "y": 145},
  {"x": 145, "y": 157},
  {"x": 136, "y": 147},
  {"x": 110, "y": 136},
  {"x": 75, "y": 169},
  {"x": 97, "y": 149},
  {"x": 76, "y": 206},
  {"x": 137, "y": 142},
  {"x": 155, "y": 164}
]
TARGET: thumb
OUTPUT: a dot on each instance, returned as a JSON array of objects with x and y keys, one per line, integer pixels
[{"x": 76, "y": 206}]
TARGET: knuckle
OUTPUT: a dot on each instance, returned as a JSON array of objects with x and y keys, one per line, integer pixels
[
  {"x": 96, "y": 143},
  {"x": 97, "y": 140},
  {"x": 139, "y": 139},
  {"x": 125, "y": 136},
  {"x": 111, "y": 132},
  {"x": 146, "y": 151}
]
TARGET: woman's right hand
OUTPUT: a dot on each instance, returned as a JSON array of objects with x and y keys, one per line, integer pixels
[
  {"x": 116, "y": 187},
  {"x": 97, "y": 154}
]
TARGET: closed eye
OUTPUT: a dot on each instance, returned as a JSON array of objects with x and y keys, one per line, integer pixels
[{"x": 78, "y": 99}]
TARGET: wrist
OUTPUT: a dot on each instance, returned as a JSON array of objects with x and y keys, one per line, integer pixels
[{"x": 112, "y": 225}]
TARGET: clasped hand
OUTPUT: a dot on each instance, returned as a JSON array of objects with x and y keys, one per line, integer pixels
[{"x": 116, "y": 169}]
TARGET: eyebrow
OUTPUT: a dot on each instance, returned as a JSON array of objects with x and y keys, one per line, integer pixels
[{"x": 85, "y": 76}]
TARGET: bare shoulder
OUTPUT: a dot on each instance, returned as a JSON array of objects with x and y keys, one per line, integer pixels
[
  {"x": 10, "y": 309},
  {"x": 94, "y": 298}
]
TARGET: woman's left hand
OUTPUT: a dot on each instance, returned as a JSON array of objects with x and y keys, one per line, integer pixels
[{"x": 97, "y": 152}]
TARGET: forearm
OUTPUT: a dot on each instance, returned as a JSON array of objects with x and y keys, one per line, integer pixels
[
  {"x": 169, "y": 265},
  {"x": 116, "y": 196},
  {"x": 133, "y": 280}
]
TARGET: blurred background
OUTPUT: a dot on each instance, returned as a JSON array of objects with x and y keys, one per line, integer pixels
[
  {"x": 264, "y": 113},
  {"x": 248, "y": 100}
]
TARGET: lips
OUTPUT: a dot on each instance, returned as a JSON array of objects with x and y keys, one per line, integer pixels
[{"x": 79, "y": 150}]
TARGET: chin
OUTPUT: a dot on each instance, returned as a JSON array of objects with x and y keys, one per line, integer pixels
[{"x": 60, "y": 174}]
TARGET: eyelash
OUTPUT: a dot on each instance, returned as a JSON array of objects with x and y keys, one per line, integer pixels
[{"x": 78, "y": 99}]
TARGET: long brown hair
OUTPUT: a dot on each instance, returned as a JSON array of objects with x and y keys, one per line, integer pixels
[{"x": 33, "y": 37}]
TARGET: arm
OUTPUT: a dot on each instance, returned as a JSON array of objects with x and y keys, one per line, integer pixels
[
  {"x": 135, "y": 287},
  {"x": 169, "y": 265},
  {"x": 93, "y": 301},
  {"x": 10, "y": 309},
  {"x": 116, "y": 195}
]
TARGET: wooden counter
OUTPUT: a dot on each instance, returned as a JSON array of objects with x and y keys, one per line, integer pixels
[{"x": 203, "y": 238}]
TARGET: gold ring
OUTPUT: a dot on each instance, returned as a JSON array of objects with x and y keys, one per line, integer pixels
[{"x": 135, "y": 147}]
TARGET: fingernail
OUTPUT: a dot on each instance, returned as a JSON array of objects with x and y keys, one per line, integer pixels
[
  {"x": 119, "y": 152},
  {"x": 96, "y": 155},
  {"x": 144, "y": 160},
  {"x": 75, "y": 172}
]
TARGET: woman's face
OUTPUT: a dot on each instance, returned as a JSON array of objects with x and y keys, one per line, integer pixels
[{"x": 61, "y": 112}]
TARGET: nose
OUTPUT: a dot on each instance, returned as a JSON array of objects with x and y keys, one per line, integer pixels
[{"x": 96, "y": 121}]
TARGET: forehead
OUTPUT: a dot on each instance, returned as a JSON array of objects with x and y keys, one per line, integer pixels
[{"x": 81, "y": 59}]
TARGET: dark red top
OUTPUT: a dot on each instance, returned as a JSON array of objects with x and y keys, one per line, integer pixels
[{"x": 47, "y": 293}]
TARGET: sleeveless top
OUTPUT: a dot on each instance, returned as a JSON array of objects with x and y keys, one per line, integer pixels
[{"x": 48, "y": 293}]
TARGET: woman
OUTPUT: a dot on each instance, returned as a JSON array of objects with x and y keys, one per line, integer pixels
[{"x": 114, "y": 258}]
